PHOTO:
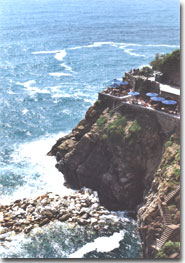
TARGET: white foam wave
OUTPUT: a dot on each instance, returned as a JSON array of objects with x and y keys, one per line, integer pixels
[
  {"x": 59, "y": 74},
  {"x": 41, "y": 175},
  {"x": 61, "y": 95},
  {"x": 61, "y": 55},
  {"x": 66, "y": 67},
  {"x": 91, "y": 101},
  {"x": 32, "y": 90},
  {"x": 24, "y": 111},
  {"x": 129, "y": 51},
  {"x": 46, "y": 52},
  {"x": 100, "y": 244},
  {"x": 11, "y": 92},
  {"x": 74, "y": 48},
  {"x": 26, "y": 84}
]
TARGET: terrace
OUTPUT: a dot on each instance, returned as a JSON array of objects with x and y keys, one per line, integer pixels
[{"x": 123, "y": 91}]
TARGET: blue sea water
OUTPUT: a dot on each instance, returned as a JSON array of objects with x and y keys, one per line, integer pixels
[{"x": 55, "y": 56}]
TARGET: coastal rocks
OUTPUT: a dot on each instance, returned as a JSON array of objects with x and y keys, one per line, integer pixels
[
  {"x": 118, "y": 163},
  {"x": 80, "y": 209}
]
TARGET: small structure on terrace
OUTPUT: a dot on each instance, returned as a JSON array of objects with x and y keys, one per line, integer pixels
[{"x": 136, "y": 87}]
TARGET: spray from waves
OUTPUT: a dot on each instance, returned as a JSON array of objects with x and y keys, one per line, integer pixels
[
  {"x": 121, "y": 45},
  {"x": 61, "y": 55},
  {"x": 38, "y": 170},
  {"x": 46, "y": 52},
  {"x": 100, "y": 244},
  {"x": 66, "y": 67},
  {"x": 26, "y": 84},
  {"x": 129, "y": 51},
  {"x": 59, "y": 74},
  {"x": 32, "y": 90}
]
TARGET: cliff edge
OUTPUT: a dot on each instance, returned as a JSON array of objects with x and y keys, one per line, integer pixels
[{"x": 115, "y": 152}]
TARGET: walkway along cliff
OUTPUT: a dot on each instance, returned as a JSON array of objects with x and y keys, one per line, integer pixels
[{"x": 120, "y": 150}]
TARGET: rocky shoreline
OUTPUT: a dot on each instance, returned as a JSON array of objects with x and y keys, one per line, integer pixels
[
  {"x": 80, "y": 209},
  {"x": 130, "y": 158}
]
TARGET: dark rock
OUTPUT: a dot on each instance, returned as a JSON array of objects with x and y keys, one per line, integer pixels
[
  {"x": 82, "y": 222},
  {"x": 48, "y": 214},
  {"x": 64, "y": 217},
  {"x": 9, "y": 224},
  {"x": 177, "y": 217},
  {"x": 44, "y": 222}
]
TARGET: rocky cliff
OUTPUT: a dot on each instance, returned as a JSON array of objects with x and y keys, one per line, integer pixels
[
  {"x": 129, "y": 155},
  {"x": 115, "y": 152}
]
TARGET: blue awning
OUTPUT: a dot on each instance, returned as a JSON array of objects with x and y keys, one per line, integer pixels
[
  {"x": 151, "y": 94},
  {"x": 134, "y": 93},
  {"x": 169, "y": 102},
  {"x": 157, "y": 98}
]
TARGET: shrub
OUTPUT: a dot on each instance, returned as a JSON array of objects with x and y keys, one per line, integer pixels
[
  {"x": 111, "y": 113},
  {"x": 101, "y": 121},
  {"x": 167, "y": 63},
  {"x": 178, "y": 155},
  {"x": 168, "y": 144},
  {"x": 176, "y": 173},
  {"x": 135, "y": 127},
  {"x": 168, "y": 249},
  {"x": 146, "y": 71},
  {"x": 115, "y": 129}
]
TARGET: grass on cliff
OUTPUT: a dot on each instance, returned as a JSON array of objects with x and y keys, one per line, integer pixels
[
  {"x": 168, "y": 249},
  {"x": 135, "y": 127},
  {"x": 118, "y": 128},
  {"x": 115, "y": 130},
  {"x": 101, "y": 121}
]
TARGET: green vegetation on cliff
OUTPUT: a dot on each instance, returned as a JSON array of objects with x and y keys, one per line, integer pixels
[
  {"x": 167, "y": 63},
  {"x": 168, "y": 249},
  {"x": 135, "y": 127}
]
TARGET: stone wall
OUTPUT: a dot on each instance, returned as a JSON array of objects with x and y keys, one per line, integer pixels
[
  {"x": 169, "y": 123},
  {"x": 142, "y": 84}
]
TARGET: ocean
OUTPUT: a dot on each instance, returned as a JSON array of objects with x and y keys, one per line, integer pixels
[{"x": 55, "y": 56}]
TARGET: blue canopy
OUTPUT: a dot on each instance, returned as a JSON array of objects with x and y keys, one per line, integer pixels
[
  {"x": 151, "y": 94},
  {"x": 157, "y": 98},
  {"x": 169, "y": 102},
  {"x": 115, "y": 85},
  {"x": 123, "y": 83},
  {"x": 134, "y": 93}
]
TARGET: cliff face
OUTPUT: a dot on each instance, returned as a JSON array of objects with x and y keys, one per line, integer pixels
[
  {"x": 153, "y": 219},
  {"x": 115, "y": 152}
]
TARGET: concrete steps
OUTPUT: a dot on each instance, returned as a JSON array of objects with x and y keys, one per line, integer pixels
[
  {"x": 168, "y": 231},
  {"x": 166, "y": 214},
  {"x": 172, "y": 194}
]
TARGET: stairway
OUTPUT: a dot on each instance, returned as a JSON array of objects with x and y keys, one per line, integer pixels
[
  {"x": 172, "y": 194},
  {"x": 165, "y": 236},
  {"x": 166, "y": 214}
]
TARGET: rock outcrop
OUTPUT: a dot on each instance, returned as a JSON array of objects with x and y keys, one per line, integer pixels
[
  {"x": 115, "y": 152},
  {"x": 160, "y": 211},
  {"x": 80, "y": 209}
]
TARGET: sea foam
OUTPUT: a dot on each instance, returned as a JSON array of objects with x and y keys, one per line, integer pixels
[
  {"x": 129, "y": 51},
  {"x": 61, "y": 55},
  {"x": 41, "y": 175},
  {"x": 100, "y": 244},
  {"x": 46, "y": 52},
  {"x": 59, "y": 74}
]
